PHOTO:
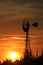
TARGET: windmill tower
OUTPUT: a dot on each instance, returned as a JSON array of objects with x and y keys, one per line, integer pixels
[{"x": 26, "y": 27}]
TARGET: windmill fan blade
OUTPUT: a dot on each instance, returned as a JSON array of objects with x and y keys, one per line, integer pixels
[{"x": 35, "y": 24}]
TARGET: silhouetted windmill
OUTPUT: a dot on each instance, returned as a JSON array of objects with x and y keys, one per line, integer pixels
[{"x": 26, "y": 27}]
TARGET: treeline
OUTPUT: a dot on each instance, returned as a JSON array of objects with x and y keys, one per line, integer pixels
[{"x": 24, "y": 61}]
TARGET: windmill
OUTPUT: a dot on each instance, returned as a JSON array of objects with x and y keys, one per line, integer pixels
[{"x": 26, "y": 27}]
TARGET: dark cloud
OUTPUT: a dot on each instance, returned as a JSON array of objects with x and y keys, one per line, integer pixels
[
  {"x": 23, "y": 1},
  {"x": 29, "y": 1}
]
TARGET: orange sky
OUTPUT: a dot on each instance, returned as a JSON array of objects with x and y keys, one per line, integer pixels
[{"x": 12, "y": 37}]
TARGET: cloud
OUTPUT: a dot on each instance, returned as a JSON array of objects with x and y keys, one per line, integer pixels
[
  {"x": 29, "y": 1},
  {"x": 23, "y": 1},
  {"x": 11, "y": 38}
]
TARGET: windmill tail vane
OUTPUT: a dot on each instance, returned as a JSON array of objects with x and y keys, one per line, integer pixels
[{"x": 35, "y": 24}]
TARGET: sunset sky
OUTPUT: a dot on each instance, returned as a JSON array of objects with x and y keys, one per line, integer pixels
[{"x": 12, "y": 37}]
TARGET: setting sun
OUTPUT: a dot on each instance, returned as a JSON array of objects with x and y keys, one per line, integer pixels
[{"x": 14, "y": 56}]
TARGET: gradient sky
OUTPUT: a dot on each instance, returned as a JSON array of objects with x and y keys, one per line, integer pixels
[{"x": 12, "y": 14}]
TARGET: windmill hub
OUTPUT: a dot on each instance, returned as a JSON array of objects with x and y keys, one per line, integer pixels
[{"x": 26, "y": 26}]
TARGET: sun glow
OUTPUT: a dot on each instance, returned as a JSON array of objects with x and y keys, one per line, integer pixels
[{"x": 14, "y": 56}]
